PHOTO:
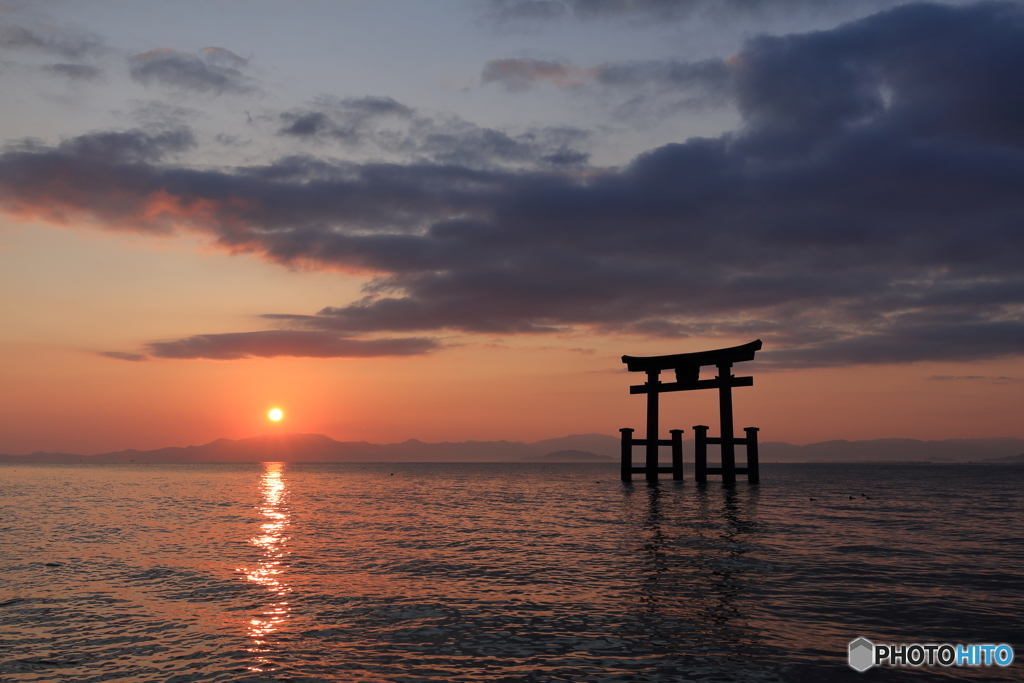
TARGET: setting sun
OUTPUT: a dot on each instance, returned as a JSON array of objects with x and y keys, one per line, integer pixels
[{"x": 275, "y": 414}]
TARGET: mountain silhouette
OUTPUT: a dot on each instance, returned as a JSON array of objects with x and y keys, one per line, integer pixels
[
  {"x": 321, "y": 448},
  {"x": 569, "y": 456}
]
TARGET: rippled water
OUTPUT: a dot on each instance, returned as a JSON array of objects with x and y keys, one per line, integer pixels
[{"x": 499, "y": 572}]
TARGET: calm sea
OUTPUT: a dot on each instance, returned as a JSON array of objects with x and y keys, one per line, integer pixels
[{"x": 500, "y": 572}]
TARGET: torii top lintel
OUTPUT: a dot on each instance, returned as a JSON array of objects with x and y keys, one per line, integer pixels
[{"x": 733, "y": 354}]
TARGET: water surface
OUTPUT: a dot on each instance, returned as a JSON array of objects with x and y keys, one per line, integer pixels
[{"x": 499, "y": 572}]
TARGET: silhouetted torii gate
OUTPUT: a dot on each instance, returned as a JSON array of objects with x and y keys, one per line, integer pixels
[{"x": 687, "y": 367}]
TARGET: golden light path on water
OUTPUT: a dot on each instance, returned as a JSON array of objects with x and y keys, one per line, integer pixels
[{"x": 269, "y": 573}]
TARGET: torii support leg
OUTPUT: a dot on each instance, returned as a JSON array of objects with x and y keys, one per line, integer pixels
[
  {"x": 627, "y": 454},
  {"x": 700, "y": 453},
  {"x": 753, "y": 474},
  {"x": 725, "y": 415},
  {"x": 677, "y": 454},
  {"x": 652, "y": 426}
]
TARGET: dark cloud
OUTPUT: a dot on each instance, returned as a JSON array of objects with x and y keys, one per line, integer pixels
[
  {"x": 277, "y": 343},
  {"x": 517, "y": 11},
  {"x": 128, "y": 146},
  {"x": 75, "y": 72},
  {"x": 713, "y": 75},
  {"x": 310, "y": 123},
  {"x": 652, "y": 89},
  {"x": 672, "y": 84},
  {"x": 214, "y": 70},
  {"x": 118, "y": 355},
  {"x": 51, "y": 40},
  {"x": 457, "y": 142},
  {"x": 963, "y": 338},
  {"x": 869, "y": 210},
  {"x": 349, "y": 119},
  {"x": 392, "y": 127}
]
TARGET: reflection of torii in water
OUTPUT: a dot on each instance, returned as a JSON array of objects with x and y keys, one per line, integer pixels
[{"x": 687, "y": 368}]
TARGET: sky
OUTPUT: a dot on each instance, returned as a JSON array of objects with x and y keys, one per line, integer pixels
[{"x": 449, "y": 220}]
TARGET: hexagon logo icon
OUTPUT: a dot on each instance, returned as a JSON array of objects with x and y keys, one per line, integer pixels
[{"x": 862, "y": 654}]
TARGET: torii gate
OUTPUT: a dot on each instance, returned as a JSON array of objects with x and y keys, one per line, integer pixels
[{"x": 687, "y": 368}]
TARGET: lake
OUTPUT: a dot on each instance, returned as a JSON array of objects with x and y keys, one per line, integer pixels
[{"x": 500, "y": 572}]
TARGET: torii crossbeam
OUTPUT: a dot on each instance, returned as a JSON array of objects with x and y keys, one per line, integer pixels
[{"x": 687, "y": 370}]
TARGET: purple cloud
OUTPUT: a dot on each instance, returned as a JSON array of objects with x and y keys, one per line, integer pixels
[
  {"x": 214, "y": 70},
  {"x": 277, "y": 343}
]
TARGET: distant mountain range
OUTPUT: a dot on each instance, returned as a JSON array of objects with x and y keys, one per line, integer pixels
[
  {"x": 569, "y": 456},
  {"x": 320, "y": 448}
]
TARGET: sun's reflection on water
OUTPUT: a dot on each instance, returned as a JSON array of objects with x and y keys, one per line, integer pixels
[{"x": 269, "y": 572}]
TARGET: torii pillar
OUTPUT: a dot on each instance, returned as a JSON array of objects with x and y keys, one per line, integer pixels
[{"x": 687, "y": 369}]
